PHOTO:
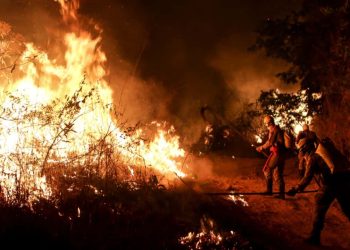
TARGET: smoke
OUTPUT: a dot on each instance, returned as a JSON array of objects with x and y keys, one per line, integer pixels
[
  {"x": 246, "y": 73},
  {"x": 197, "y": 52},
  {"x": 218, "y": 166},
  {"x": 40, "y": 22},
  {"x": 167, "y": 59}
]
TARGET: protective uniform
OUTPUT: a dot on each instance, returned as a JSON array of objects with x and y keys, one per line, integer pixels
[
  {"x": 331, "y": 186},
  {"x": 274, "y": 165},
  {"x": 311, "y": 136}
]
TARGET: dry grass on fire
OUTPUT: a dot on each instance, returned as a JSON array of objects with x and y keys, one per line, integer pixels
[
  {"x": 140, "y": 215},
  {"x": 95, "y": 198}
]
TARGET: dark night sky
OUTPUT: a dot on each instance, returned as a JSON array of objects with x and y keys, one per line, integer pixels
[{"x": 176, "y": 54}]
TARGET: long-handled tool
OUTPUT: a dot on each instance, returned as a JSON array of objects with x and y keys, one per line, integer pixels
[
  {"x": 253, "y": 193},
  {"x": 262, "y": 151}
]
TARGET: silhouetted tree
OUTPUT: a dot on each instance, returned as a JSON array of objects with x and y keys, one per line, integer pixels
[{"x": 315, "y": 41}]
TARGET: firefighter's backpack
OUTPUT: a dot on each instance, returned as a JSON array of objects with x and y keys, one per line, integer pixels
[{"x": 335, "y": 160}]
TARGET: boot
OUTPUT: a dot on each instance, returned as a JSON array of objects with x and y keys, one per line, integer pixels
[{"x": 281, "y": 195}]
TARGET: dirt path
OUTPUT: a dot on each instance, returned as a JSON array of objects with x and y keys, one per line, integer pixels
[{"x": 274, "y": 223}]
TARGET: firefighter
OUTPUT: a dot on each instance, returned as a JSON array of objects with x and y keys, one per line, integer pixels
[
  {"x": 311, "y": 135},
  {"x": 274, "y": 165},
  {"x": 332, "y": 186}
]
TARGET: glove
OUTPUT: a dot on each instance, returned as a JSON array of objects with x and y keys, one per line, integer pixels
[{"x": 292, "y": 191}]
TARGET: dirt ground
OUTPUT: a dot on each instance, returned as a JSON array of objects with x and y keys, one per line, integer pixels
[{"x": 273, "y": 223}]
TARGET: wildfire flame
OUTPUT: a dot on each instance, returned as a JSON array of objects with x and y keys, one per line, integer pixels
[
  {"x": 284, "y": 118},
  {"x": 75, "y": 91},
  {"x": 302, "y": 109}
]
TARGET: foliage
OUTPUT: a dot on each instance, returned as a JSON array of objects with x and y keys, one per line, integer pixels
[
  {"x": 290, "y": 109},
  {"x": 315, "y": 41}
]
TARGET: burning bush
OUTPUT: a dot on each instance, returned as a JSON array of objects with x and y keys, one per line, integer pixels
[
  {"x": 45, "y": 141},
  {"x": 56, "y": 124}
]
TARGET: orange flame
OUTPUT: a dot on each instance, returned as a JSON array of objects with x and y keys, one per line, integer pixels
[
  {"x": 32, "y": 138},
  {"x": 69, "y": 9}
]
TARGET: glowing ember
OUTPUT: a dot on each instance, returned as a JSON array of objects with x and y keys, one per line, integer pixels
[
  {"x": 238, "y": 199},
  {"x": 208, "y": 238}
]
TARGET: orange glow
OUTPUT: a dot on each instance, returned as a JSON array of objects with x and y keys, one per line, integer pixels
[{"x": 55, "y": 111}]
